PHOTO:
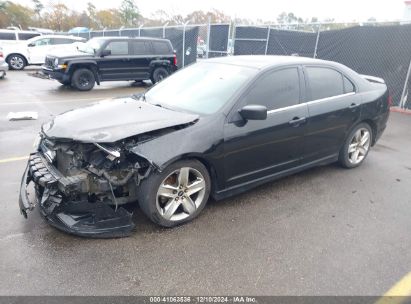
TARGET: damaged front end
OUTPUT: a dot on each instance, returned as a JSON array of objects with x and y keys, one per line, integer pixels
[{"x": 84, "y": 189}]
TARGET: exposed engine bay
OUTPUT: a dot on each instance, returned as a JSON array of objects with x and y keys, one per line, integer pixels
[{"x": 85, "y": 185}]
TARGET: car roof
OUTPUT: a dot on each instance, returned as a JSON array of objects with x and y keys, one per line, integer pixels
[
  {"x": 59, "y": 36},
  {"x": 264, "y": 61},
  {"x": 18, "y": 31},
  {"x": 130, "y": 38}
]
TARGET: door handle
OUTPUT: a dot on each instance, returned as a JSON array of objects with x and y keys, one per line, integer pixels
[
  {"x": 354, "y": 105},
  {"x": 296, "y": 121}
]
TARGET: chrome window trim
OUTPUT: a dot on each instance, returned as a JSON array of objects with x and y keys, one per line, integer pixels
[{"x": 311, "y": 101}]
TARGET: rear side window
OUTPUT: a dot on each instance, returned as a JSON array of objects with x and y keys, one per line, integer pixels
[
  {"x": 41, "y": 42},
  {"x": 140, "y": 48},
  {"x": 277, "y": 89},
  {"x": 62, "y": 41},
  {"x": 118, "y": 47},
  {"x": 7, "y": 36},
  {"x": 161, "y": 47},
  {"x": 26, "y": 36},
  {"x": 324, "y": 82}
]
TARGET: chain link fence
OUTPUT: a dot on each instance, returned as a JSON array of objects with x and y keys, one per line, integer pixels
[{"x": 377, "y": 49}]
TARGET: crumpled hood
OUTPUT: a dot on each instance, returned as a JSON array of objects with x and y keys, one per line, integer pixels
[{"x": 112, "y": 120}]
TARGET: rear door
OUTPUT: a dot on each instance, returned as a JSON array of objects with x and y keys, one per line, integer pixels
[
  {"x": 334, "y": 107},
  {"x": 259, "y": 148},
  {"x": 117, "y": 65},
  {"x": 140, "y": 59}
]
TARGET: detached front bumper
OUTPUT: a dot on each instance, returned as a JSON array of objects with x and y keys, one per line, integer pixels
[{"x": 83, "y": 218}]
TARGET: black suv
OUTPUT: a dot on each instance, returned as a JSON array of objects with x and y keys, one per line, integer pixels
[{"x": 110, "y": 59}]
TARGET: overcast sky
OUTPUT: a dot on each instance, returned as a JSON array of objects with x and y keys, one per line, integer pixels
[{"x": 342, "y": 10}]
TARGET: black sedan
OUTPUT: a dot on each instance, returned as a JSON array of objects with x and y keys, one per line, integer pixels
[{"x": 216, "y": 128}]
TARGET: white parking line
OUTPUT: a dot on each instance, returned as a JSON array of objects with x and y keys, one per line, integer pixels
[{"x": 51, "y": 101}]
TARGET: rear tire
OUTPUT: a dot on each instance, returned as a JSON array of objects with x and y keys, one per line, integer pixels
[
  {"x": 159, "y": 74},
  {"x": 176, "y": 195},
  {"x": 16, "y": 62},
  {"x": 356, "y": 146},
  {"x": 83, "y": 80}
]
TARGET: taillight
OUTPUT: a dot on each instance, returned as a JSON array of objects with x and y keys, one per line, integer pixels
[
  {"x": 389, "y": 100},
  {"x": 1, "y": 54},
  {"x": 175, "y": 60}
]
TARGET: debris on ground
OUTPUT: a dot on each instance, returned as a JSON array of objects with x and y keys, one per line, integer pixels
[{"x": 22, "y": 116}]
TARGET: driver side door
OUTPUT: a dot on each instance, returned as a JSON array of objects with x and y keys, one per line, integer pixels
[{"x": 257, "y": 149}]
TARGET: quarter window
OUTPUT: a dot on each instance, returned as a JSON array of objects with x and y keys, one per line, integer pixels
[
  {"x": 324, "y": 82},
  {"x": 118, "y": 47},
  {"x": 7, "y": 36},
  {"x": 277, "y": 89},
  {"x": 348, "y": 86},
  {"x": 161, "y": 48}
]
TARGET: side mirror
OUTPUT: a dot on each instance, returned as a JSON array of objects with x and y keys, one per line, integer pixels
[
  {"x": 31, "y": 44},
  {"x": 105, "y": 53},
  {"x": 253, "y": 112}
]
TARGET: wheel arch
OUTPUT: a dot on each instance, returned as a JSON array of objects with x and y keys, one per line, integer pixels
[
  {"x": 373, "y": 127},
  {"x": 92, "y": 66}
]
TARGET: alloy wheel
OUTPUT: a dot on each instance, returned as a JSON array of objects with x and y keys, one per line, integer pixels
[
  {"x": 359, "y": 146},
  {"x": 16, "y": 62},
  {"x": 180, "y": 194},
  {"x": 84, "y": 80}
]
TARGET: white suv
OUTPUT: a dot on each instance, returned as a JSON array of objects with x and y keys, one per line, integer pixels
[
  {"x": 16, "y": 36},
  {"x": 34, "y": 50}
]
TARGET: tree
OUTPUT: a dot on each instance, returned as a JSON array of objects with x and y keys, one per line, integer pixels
[
  {"x": 108, "y": 19},
  {"x": 58, "y": 17},
  {"x": 287, "y": 18},
  {"x": 38, "y": 7},
  {"x": 129, "y": 13},
  {"x": 12, "y": 14},
  {"x": 92, "y": 15}
]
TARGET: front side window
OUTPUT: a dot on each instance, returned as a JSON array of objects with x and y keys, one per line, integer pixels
[
  {"x": 275, "y": 90},
  {"x": 118, "y": 48},
  {"x": 324, "y": 82}
]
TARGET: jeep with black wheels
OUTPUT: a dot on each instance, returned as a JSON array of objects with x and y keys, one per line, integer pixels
[{"x": 111, "y": 59}]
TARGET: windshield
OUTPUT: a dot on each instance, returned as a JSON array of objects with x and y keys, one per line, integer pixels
[
  {"x": 91, "y": 46},
  {"x": 201, "y": 88}
]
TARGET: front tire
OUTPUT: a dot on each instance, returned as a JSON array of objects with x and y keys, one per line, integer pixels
[
  {"x": 177, "y": 195},
  {"x": 159, "y": 74},
  {"x": 356, "y": 146},
  {"x": 83, "y": 80},
  {"x": 16, "y": 62}
]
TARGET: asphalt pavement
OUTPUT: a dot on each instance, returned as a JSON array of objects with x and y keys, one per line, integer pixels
[{"x": 326, "y": 231}]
